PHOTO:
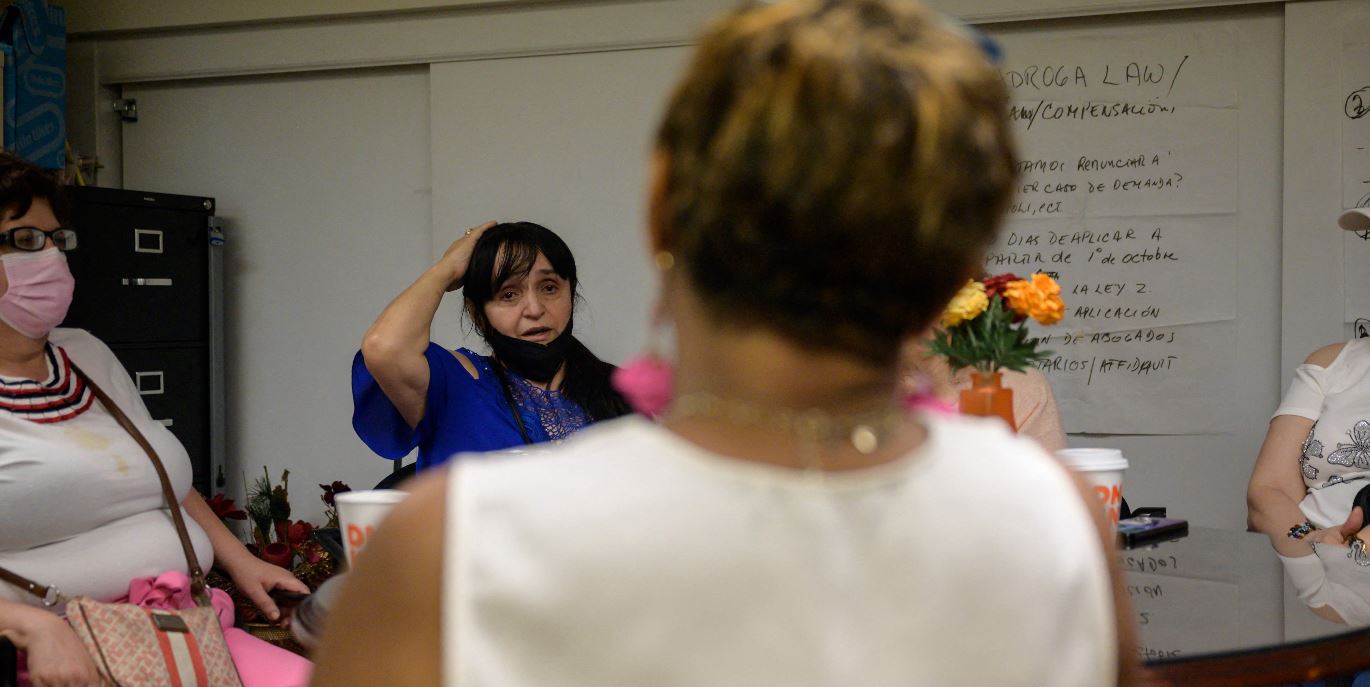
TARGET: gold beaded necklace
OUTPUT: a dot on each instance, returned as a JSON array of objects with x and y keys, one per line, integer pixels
[{"x": 815, "y": 429}]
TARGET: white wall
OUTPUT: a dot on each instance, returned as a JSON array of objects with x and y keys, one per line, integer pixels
[
  {"x": 1313, "y": 278},
  {"x": 323, "y": 182},
  {"x": 100, "y": 16},
  {"x": 563, "y": 141},
  {"x": 215, "y": 137}
]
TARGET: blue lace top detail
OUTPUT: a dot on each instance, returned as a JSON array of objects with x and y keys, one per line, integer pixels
[{"x": 462, "y": 415}]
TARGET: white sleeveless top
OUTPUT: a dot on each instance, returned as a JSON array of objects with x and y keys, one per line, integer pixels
[
  {"x": 629, "y": 556},
  {"x": 1335, "y": 456}
]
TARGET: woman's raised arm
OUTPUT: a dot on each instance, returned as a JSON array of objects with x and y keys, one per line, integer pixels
[{"x": 394, "y": 345}]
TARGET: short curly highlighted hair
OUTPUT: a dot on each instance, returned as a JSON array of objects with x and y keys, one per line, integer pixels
[{"x": 835, "y": 169}]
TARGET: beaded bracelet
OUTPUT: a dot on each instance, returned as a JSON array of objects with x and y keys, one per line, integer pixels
[{"x": 1300, "y": 530}]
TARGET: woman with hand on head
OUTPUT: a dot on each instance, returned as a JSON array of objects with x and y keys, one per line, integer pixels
[
  {"x": 828, "y": 173},
  {"x": 540, "y": 384},
  {"x": 81, "y": 505},
  {"x": 1314, "y": 470}
]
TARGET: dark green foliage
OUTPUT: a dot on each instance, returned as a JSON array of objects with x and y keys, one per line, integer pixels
[{"x": 988, "y": 342}]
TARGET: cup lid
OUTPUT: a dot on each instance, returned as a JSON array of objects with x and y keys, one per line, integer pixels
[
  {"x": 1092, "y": 458},
  {"x": 386, "y": 496}
]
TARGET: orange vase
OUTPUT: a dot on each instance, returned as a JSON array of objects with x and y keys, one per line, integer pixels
[{"x": 987, "y": 397}]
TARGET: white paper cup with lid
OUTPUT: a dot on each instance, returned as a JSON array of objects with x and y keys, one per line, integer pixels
[
  {"x": 360, "y": 512},
  {"x": 1102, "y": 469}
]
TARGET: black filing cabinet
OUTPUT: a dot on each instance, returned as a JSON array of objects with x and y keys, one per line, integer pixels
[{"x": 149, "y": 284}]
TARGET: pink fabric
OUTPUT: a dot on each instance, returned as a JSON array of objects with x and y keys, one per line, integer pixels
[
  {"x": 172, "y": 590},
  {"x": 259, "y": 663},
  {"x": 930, "y": 402}
]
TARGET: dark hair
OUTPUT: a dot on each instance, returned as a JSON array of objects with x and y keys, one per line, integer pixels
[
  {"x": 22, "y": 181},
  {"x": 835, "y": 170},
  {"x": 508, "y": 250}
]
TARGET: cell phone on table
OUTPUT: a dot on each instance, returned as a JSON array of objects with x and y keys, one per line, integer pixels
[
  {"x": 287, "y": 600},
  {"x": 1145, "y": 529}
]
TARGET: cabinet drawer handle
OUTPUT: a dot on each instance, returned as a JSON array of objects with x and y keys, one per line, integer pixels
[
  {"x": 145, "y": 281},
  {"x": 150, "y": 383},
  {"x": 147, "y": 241}
]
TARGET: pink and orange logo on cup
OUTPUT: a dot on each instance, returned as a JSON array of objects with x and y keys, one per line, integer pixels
[
  {"x": 360, "y": 512},
  {"x": 1102, "y": 469}
]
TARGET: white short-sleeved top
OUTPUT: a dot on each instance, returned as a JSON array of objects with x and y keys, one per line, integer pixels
[
  {"x": 80, "y": 503},
  {"x": 629, "y": 556},
  {"x": 1335, "y": 457}
]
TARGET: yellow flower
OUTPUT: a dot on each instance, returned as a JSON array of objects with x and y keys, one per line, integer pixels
[
  {"x": 969, "y": 302},
  {"x": 1039, "y": 298}
]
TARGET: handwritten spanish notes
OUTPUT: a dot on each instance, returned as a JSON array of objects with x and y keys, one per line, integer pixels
[
  {"x": 1127, "y": 192},
  {"x": 1355, "y": 127},
  {"x": 1355, "y": 161}
]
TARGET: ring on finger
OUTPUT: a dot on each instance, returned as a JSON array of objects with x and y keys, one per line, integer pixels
[{"x": 1358, "y": 553}]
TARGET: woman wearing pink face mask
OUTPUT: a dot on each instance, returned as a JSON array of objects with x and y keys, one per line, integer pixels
[{"x": 81, "y": 506}]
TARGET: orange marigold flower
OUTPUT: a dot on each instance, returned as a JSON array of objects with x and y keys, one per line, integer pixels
[{"x": 1039, "y": 298}]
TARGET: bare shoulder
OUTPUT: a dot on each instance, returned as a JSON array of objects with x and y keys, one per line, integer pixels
[
  {"x": 427, "y": 491},
  {"x": 1324, "y": 356},
  {"x": 466, "y": 363},
  {"x": 391, "y": 598}
]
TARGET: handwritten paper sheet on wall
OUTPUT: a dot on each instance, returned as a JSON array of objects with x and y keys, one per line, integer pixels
[
  {"x": 1355, "y": 161},
  {"x": 1128, "y": 193}
]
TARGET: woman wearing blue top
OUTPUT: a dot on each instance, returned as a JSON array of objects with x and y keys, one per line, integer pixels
[{"x": 540, "y": 383}]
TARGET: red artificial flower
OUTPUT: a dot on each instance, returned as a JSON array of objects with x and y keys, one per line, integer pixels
[
  {"x": 311, "y": 552},
  {"x": 298, "y": 532},
  {"x": 996, "y": 285},
  {"x": 223, "y": 508},
  {"x": 331, "y": 490}
]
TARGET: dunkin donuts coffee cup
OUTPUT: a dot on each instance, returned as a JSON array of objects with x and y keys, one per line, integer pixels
[
  {"x": 360, "y": 512},
  {"x": 1102, "y": 469}
]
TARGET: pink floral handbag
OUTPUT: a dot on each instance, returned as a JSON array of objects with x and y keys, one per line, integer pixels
[{"x": 134, "y": 646}]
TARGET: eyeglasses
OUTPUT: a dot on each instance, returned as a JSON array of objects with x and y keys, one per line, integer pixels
[{"x": 34, "y": 239}]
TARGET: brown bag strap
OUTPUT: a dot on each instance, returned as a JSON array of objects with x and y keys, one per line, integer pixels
[{"x": 51, "y": 595}]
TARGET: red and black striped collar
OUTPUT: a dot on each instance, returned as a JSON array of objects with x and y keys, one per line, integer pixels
[{"x": 62, "y": 396}]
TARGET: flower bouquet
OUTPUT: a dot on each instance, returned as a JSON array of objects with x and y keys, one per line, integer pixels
[
  {"x": 288, "y": 543},
  {"x": 275, "y": 538},
  {"x": 985, "y": 328}
]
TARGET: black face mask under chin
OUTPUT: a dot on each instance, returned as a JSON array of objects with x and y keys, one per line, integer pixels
[{"x": 533, "y": 361}]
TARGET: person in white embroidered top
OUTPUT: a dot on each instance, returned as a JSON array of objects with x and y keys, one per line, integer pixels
[
  {"x": 1311, "y": 470},
  {"x": 826, "y": 175},
  {"x": 81, "y": 507}
]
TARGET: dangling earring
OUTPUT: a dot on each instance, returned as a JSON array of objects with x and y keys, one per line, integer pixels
[
  {"x": 647, "y": 381},
  {"x": 919, "y": 394}
]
